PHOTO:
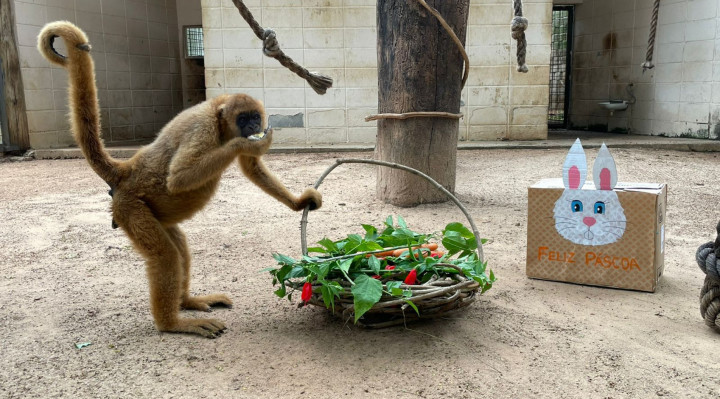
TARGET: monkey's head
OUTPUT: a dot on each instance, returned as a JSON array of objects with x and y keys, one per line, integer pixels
[{"x": 240, "y": 115}]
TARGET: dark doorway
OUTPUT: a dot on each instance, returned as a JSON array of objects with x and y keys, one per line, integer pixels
[{"x": 560, "y": 63}]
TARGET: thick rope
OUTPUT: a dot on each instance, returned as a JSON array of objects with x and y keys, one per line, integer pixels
[
  {"x": 466, "y": 71},
  {"x": 454, "y": 37},
  {"x": 407, "y": 115},
  {"x": 648, "y": 64},
  {"x": 320, "y": 83},
  {"x": 518, "y": 27},
  {"x": 708, "y": 258}
]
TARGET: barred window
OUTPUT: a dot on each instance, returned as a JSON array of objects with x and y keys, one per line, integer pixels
[{"x": 194, "y": 42}]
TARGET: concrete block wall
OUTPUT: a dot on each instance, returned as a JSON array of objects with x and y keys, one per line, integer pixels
[
  {"x": 679, "y": 97},
  {"x": 136, "y": 51},
  {"x": 338, "y": 38}
]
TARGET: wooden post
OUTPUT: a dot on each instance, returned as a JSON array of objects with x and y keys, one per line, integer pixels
[
  {"x": 419, "y": 69},
  {"x": 13, "y": 86}
]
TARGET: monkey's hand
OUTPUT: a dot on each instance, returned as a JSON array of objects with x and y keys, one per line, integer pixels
[
  {"x": 252, "y": 146},
  {"x": 310, "y": 197}
]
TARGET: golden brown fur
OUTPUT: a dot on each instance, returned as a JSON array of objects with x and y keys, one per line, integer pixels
[{"x": 169, "y": 180}]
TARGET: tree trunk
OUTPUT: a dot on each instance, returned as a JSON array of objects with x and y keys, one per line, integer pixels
[
  {"x": 420, "y": 69},
  {"x": 13, "y": 85}
]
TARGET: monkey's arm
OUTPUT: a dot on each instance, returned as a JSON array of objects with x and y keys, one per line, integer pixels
[
  {"x": 192, "y": 167},
  {"x": 255, "y": 170}
]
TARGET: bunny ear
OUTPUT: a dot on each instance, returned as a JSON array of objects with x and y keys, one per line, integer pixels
[
  {"x": 575, "y": 167},
  {"x": 604, "y": 170}
]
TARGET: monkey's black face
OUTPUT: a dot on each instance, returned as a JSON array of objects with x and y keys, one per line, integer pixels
[{"x": 250, "y": 125}]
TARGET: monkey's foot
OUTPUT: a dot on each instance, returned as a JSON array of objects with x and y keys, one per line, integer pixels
[
  {"x": 208, "y": 328},
  {"x": 205, "y": 302}
]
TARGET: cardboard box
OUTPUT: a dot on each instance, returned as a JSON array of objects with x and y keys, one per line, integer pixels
[
  {"x": 635, "y": 260},
  {"x": 599, "y": 232}
]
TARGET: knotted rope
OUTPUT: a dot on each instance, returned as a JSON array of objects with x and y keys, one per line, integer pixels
[
  {"x": 320, "y": 83},
  {"x": 518, "y": 27},
  {"x": 708, "y": 258},
  {"x": 648, "y": 64}
]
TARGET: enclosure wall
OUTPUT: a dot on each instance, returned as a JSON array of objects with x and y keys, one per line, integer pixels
[
  {"x": 135, "y": 48},
  {"x": 338, "y": 38},
  {"x": 680, "y": 96}
]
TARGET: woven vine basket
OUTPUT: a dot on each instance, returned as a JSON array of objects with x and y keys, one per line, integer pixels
[{"x": 434, "y": 298}]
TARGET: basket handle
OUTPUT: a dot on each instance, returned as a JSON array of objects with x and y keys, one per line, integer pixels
[{"x": 338, "y": 162}]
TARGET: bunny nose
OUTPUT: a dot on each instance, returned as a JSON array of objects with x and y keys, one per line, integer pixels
[{"x": 589, "y": 222}]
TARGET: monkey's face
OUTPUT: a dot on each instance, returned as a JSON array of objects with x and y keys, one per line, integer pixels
[
  {"x": 240, "y": 116},
  {"x": 249, "y": 125}
]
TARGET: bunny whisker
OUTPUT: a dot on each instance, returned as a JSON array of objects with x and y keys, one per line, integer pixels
[{"x": 613, "y": 233}]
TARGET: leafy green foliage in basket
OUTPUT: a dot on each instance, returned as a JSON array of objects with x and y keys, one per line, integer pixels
[{"x": 380, "y": 264}]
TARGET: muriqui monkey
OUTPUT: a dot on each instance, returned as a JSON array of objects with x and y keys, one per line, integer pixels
[{"x": 169, "y": 180}]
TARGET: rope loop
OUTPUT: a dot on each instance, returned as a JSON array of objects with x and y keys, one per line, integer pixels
[
  {"x": 271, "y": 48},
  {"x": 319, "y": 82},
  {"x": 708, "y": 259},
  {"x": 518, "y": 27},
  {"x": 519, "y": 24},
  {"x": 648, "y": 64}
]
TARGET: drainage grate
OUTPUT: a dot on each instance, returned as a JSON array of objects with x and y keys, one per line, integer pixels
[{"x": 561, "y": 43}]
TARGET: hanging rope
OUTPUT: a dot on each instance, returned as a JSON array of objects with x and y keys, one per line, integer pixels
[
  {"x": 648, "y": 64},
  {"x": 518, "y": 27},
  {"x": 454, "y": 37},
  {"x": 320, "y": 83},
  {"x": 466, "y": 70},
  {"x": 708, "y": 258}
]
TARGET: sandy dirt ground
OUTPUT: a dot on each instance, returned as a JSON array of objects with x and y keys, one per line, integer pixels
[{"x": 67, "y": 278}]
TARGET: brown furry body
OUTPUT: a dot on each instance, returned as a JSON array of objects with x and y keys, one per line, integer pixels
[{"x": 169, "y": 180}]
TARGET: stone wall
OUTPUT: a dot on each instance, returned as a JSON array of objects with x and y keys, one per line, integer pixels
[
  {"x": 135, "y": 48},
  {"x": 680, "y": 96},
  {"x": 338, "y": 38}
]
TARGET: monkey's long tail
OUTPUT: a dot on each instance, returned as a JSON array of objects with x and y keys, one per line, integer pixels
[{"x": 82, "y": 91}]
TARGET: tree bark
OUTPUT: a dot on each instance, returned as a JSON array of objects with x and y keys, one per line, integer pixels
[
  {"x": 13, "y": 85},
  {"x": 420, "y": 69}
]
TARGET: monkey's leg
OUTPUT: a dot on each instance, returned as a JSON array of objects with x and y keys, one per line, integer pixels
[
  {"x": 187, "y": 301},
  {"x": 164, "y": 268}
]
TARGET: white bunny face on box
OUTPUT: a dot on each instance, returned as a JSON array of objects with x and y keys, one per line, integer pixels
[{"x": 589, "y": 217}]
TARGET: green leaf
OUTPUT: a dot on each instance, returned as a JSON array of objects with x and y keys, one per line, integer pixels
[
  {"x": 454, "y": 242},
  {"x": 366, "y": 292},
  {"x": 323, "y": 270},
  {"x": 345, "y": 265},
  {"x": 412, "y": 305},
  {"x": 404, "y": 234},
  {"x": 283, "y": 259},
  {"x": 352, "y": 243},
  {"x": 374, "y": 264},
  {"x": 401, "y": 222},
  {"x": 297, "y": 271},
  {"x": 393, "y": 287},
  {"x": 281, "y": 274},
  {"x": 328, "y": 244},
  {"x": 370, "y": 232},
  {"x": 317, "y": 249},
  {"x": 329, "y": 291},
  {"x": 281, "y": 291},
  {"x": 458, "y": 227},
  {"x": 389, "y": 221},
  {"x": 368, "y": 246}
]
